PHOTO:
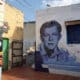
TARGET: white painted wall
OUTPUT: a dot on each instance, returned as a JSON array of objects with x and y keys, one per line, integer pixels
[
  {"x": 1, "y": 12},
  {"x": 61, "y": 14}
]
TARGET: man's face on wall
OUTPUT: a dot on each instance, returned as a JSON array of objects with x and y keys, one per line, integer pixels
[{"x": 51, "y": 37}]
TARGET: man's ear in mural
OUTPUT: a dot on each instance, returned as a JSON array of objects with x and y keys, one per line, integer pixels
[
  {"x": 41, "y": 38},
  {"x": 60, "y": 36}
]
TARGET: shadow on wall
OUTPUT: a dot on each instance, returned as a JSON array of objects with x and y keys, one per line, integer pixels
[{"x": 18, "y": 34}]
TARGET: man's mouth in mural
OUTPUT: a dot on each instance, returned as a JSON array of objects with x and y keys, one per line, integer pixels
[{"x": 50, "y": 43}]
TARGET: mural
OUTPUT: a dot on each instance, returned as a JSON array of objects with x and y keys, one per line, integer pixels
[{"x": 50, "y": 55}]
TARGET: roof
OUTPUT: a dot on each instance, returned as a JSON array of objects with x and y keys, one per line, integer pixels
[{"x": 29, "y": 22}]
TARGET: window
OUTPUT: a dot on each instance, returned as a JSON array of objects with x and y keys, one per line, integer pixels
[{"x": 73, "y": 32}]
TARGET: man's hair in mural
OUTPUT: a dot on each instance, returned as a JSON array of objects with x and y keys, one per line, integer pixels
[{"x": 48, "y": 25}]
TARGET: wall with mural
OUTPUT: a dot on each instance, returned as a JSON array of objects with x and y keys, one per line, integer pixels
[{"x": 58, "y": 40}]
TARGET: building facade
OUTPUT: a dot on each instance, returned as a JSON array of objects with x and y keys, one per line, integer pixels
[
  {"x": 69, "y": 19},
  {"x": 13, "y": 21},
  {"x": 29, "y": 35}
]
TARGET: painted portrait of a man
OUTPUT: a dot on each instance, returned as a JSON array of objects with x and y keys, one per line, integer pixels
[{"x": 49, "y": 52}]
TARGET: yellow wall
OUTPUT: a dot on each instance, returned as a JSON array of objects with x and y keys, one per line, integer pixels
[{"x": 14, "y": 18}]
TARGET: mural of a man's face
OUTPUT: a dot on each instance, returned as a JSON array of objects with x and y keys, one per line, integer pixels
[{"x": 51, "y": 37}]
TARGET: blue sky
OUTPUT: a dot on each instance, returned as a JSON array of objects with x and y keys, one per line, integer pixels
[{"x": 29, "y": 7}]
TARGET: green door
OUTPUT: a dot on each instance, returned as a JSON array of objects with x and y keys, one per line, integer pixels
[{"x": 5, "y": 53}]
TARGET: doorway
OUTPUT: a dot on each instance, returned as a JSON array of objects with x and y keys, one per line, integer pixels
[{"x": 5, "y": 53}]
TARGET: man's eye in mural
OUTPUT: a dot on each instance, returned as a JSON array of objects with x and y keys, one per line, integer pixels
[{"x": 46, "y": 35}]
